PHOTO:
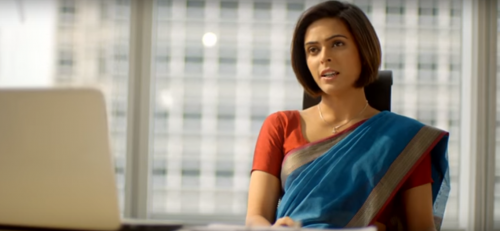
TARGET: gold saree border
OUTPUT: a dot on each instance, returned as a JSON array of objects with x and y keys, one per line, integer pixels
[
  {"x": 426, "y": 138},
  {"x": 307, "y": 155}
]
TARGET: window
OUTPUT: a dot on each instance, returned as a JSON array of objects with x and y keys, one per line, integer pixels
[
  {"x": 225, "y": 118},
  {"x": 122, "y": 11},
  {"x": 456, "y": 13},
  {"x": 293, "y": 93},
  {"x": 102, "y": 62},
  {"x": 455, "y": 68},
  {"x": 66, "y": 61},
  {"x": 288, "y": 67},
  {"x": 261, "y": 32},
  {"x": 365, "y": 6},
  {"x": 193, "y": 60},
  {"x": 195, "y": 8},
  {"x": 427, "y": 116},
  {"x": 261, "y": 10},
  {"x": 427, "y": 12},
  {"x": 67, "y": 11},
  {"x": 190, "y": 172},
  {"x": 164, "y": 9},
  {"x": 397, "y": 36},
  {"x": 228, "y": 32},
  {"x": 395, "y": 11},
  {"x": 104, "y": 9},
  {"x": 159, "y": 173},
  {"x": 427, "y": 66},
  {"x": 229, "y": 9},
  {"x": 395, "y": 61},
  {"x": 226, "y": 105},
  {"x": 227, "y": 60},
  {"x": 260, "y": 62},
  {"x": 294, "y": 9},
  {"x": 120, "y": 60},
  {"x": 259, "y": 112},
  {"x": 224, "y": 174},
  {"x": 162, "y": 61},
  {"x": 193, "y": 31}
]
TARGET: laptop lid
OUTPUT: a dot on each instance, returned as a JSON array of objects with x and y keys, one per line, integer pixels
[{"x": 56, "y": 168}]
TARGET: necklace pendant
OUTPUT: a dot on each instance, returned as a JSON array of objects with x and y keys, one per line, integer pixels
[{"x": 334, "y": 130}]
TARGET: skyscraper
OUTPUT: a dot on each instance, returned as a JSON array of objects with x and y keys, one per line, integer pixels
[
  {"x": 92, "y": 40},
  {"x": 210, "y": 99}
]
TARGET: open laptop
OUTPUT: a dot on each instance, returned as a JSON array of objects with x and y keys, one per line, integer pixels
[{"x": 56, "y": 166}]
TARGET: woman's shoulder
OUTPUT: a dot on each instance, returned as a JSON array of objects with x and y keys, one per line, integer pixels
[
  {"x": 283, "y": 117},
  {"x": 286, "y": 123},
  {"x": 404, "y": 122},
  {"x": 400, "y": 119}
]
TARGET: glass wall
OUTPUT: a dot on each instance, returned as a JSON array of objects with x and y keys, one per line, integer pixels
[{"x": 222, "y": 66}]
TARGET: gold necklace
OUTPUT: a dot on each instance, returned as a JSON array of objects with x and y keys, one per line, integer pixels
[{"x": 339, "y": 126}]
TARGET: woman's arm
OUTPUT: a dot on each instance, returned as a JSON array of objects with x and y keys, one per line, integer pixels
[
  {"x": 263, "y": 195},
  {"x": 265, "y": 186},
  {"x": 418, "y": 208}
]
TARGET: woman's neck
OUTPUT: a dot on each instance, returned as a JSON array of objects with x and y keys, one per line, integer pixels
[{"x": 340, "y": 108}]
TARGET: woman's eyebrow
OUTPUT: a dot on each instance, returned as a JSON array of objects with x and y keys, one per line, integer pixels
[{"x": 329, "y": 38}]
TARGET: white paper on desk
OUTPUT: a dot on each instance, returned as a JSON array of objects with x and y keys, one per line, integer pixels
[{"x": 222, "y": 227}]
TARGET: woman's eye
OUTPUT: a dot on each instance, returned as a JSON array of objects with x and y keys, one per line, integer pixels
[
  {"x": 313, "y": 50},
  {"x": 338, "y": 44}
]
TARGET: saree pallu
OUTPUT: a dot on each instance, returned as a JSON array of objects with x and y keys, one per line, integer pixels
[{"x": 347, "y": 180}]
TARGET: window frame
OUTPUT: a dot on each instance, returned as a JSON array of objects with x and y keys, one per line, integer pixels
[{"x": 141, "y": 117}]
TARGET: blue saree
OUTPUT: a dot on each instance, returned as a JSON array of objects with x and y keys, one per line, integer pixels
[{"x": 347, "y": 179}]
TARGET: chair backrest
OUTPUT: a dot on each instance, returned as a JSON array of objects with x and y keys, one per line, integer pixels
[{"x": 377, "y": 93}]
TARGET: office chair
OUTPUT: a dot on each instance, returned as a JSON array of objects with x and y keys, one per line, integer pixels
[{"x": 377, "y": 93}]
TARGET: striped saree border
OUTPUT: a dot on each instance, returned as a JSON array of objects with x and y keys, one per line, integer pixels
[
  {"x": 306, "y": 155},
  {"x": 420, "y": 144}
]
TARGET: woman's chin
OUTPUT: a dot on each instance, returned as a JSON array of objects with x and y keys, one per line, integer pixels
[
  {"x": 337, "y": 89},
  {"x": 333, "y": 90}
]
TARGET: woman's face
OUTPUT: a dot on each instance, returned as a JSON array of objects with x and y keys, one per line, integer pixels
[{"x": 332, "y": 55}]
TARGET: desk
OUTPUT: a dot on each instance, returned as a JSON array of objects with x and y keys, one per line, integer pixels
[{"x": 124, "y": 228}]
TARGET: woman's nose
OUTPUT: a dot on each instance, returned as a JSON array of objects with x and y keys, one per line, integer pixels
[
  {"x": 326, "y": 57},
  {"x": 326, "y": 60}
]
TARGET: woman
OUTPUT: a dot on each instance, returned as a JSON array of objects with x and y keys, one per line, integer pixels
[{"x": 343, "y": 163}]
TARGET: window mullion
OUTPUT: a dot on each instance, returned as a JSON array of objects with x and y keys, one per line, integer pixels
[{"x": 137, "y": 171}]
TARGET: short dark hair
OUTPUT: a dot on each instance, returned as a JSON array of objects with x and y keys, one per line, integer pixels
[{"x": 360, "y": 27}]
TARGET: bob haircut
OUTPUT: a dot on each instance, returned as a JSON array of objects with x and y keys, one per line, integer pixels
[{"x": 360, "y": 27}]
